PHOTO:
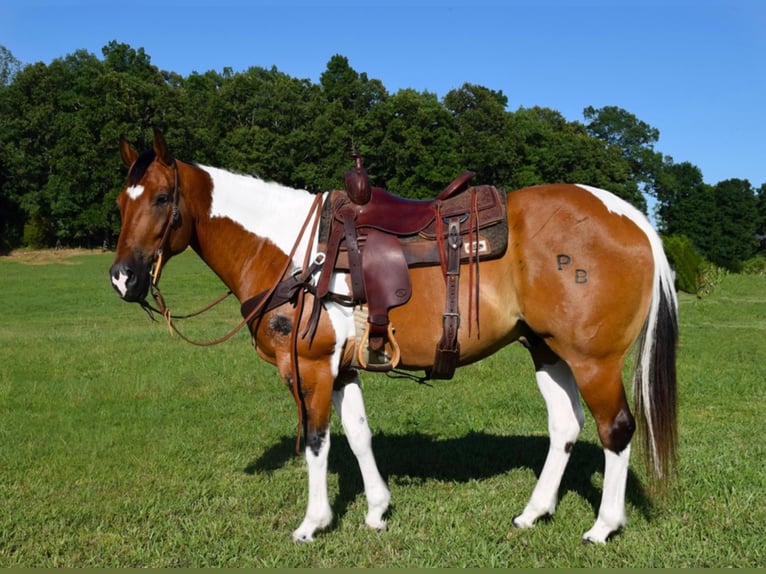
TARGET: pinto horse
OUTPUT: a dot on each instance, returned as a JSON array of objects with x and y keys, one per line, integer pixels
[{"x": 584, "y": 280}]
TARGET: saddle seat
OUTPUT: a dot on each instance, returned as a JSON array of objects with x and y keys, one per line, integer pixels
[{"x": 400, "y": 216}]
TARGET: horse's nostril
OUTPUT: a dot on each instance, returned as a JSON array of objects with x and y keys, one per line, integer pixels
[
  {"x": 122, "y": 276},
  {"x": 126, "y": 271}
]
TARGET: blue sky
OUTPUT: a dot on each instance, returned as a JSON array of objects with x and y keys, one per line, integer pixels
[{"x": 693, "y": 69}]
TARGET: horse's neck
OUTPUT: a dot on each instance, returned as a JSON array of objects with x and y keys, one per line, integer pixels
[{"x": 249, "y": 228}]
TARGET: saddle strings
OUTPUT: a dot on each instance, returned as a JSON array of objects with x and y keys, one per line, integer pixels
[
  {"x": 473, "y": 256},
  {"x": 473, "y": 239}
]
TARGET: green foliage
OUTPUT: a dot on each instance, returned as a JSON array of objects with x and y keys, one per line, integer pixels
[
  {"x": 632, "y": 138},
  {"x": 415, "y": 147},
  {"x": 685, "y": 260},
  {"x": 60, "y": 124},
  {"x": 721, "y": 220},
  {"x": 9, "y": 66},
  {"x": 755, "y": 265},
  {"x": 550, "y": 149},
  {"x": 694, "y": 274},
  {"x": 37, "y": 232},
  {"x": 710, "y": 278},
  {"x": 737, "y": 220},
  {"x": 761, "y": 218}
]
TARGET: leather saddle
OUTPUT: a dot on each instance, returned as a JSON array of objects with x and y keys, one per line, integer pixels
[{"x": 376, "y": 236}]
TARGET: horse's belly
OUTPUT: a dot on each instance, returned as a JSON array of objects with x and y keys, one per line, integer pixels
[{"x": 487, "y": 322}]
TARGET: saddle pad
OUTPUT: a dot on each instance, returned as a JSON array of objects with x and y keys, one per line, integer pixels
[{"x": 490, "y": 209}]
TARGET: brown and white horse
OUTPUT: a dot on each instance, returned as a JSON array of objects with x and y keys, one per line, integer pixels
[{"x": 584, "y": 280}]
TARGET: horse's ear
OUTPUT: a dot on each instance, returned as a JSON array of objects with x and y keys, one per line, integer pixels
[
  {"x": 161, "y": 148},
  {"x": 128, "y": 152}
]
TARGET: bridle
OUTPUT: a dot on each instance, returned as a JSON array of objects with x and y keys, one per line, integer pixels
[
  {"x": 158, "y": 261},
  {"x": 173, "y": 220}
]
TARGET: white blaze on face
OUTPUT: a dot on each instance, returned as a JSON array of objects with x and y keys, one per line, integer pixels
[
  {"x": 266, "y": 209},
  {"x": 120, "y": 284},
  {"x": 135, "y": 191}
]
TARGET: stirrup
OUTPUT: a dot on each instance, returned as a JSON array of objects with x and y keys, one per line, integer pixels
[{"x": 381, "y": 367}]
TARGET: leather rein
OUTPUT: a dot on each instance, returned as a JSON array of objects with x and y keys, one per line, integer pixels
[{"x": 282, "y": 291}]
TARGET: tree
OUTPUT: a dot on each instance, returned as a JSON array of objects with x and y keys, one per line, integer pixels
[
  {"x": 26, "y": 113},
  {"x": 721, "y": 220},
  {"x": 415, "y": 154},
  {"x": 485, "y": 144},
  {"x": 760, "y": 228},
  {"x": 344, "y": 122},
  {"x": 737, "y": 221},
  {"x": 550, "y": 150},
  {"x": 633, "y": 138},
  {"x": 11, "y": 214},
  {"x": 9, "y": 66},
  {"x": 685, "y": 204},
  {"x": 60, "y": 123},
  {"x": 267, "y": 131}
]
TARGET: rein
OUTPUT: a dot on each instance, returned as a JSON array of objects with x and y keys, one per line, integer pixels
[
  {"x": 156, "y": 270},
  {"x": 262, "y": 300}
]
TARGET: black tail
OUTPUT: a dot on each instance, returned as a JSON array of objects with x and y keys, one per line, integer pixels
[{"x": 654, "y": 379}]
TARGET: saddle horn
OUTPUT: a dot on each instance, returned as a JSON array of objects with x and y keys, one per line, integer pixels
[{"x": 357, "y": 183}]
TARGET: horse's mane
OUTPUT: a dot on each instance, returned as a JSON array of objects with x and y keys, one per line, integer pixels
[{"x": 139, "y": 167}]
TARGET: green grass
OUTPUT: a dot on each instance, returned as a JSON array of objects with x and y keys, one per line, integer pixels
[{"x": 123, "y": 446}]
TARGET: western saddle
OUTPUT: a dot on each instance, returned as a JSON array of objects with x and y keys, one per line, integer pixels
[{"x": 376, "y": 237}]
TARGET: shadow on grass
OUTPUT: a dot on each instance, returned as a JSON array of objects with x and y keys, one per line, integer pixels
[{"x": 416, "y": 457}]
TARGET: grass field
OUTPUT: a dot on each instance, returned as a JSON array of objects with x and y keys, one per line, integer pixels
[{"x": 123, "y": 446}]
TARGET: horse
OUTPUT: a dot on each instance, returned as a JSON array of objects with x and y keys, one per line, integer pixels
[{"x": 584, "y": 284}]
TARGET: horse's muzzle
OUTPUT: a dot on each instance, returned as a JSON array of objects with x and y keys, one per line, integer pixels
[{"x": 132, "y": 285}]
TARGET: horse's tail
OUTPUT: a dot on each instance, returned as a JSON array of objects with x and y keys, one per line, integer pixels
[{"x": 654, "y": 377}]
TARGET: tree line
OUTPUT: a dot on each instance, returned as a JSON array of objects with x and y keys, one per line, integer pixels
[{"x": 60, "y": 123}]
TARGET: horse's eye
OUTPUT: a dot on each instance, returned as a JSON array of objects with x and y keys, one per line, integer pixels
[{"x": 162, "y": 199}]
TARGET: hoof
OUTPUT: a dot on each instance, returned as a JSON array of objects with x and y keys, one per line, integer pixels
[
  {"x": 599, "y": 538},
  {"x": 520, "y": 524},
  {"x": 379, "y": 527},
  {"x": 301, "y": 538}
]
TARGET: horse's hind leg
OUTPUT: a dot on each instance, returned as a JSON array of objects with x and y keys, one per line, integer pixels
[
  {"x": 611, "y": 513},
  {"x": 565, "y": 419},
  {"x": 350, "y": 406},
  {"x": 601, "y": 387}
]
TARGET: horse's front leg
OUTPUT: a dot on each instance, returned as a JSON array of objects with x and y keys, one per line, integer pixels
[
  {"x": 317, "y": 393},
  {"x": 349, "y": 404}
]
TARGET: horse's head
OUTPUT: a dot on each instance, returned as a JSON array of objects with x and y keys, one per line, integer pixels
[{"x": 155, "y": 221}]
